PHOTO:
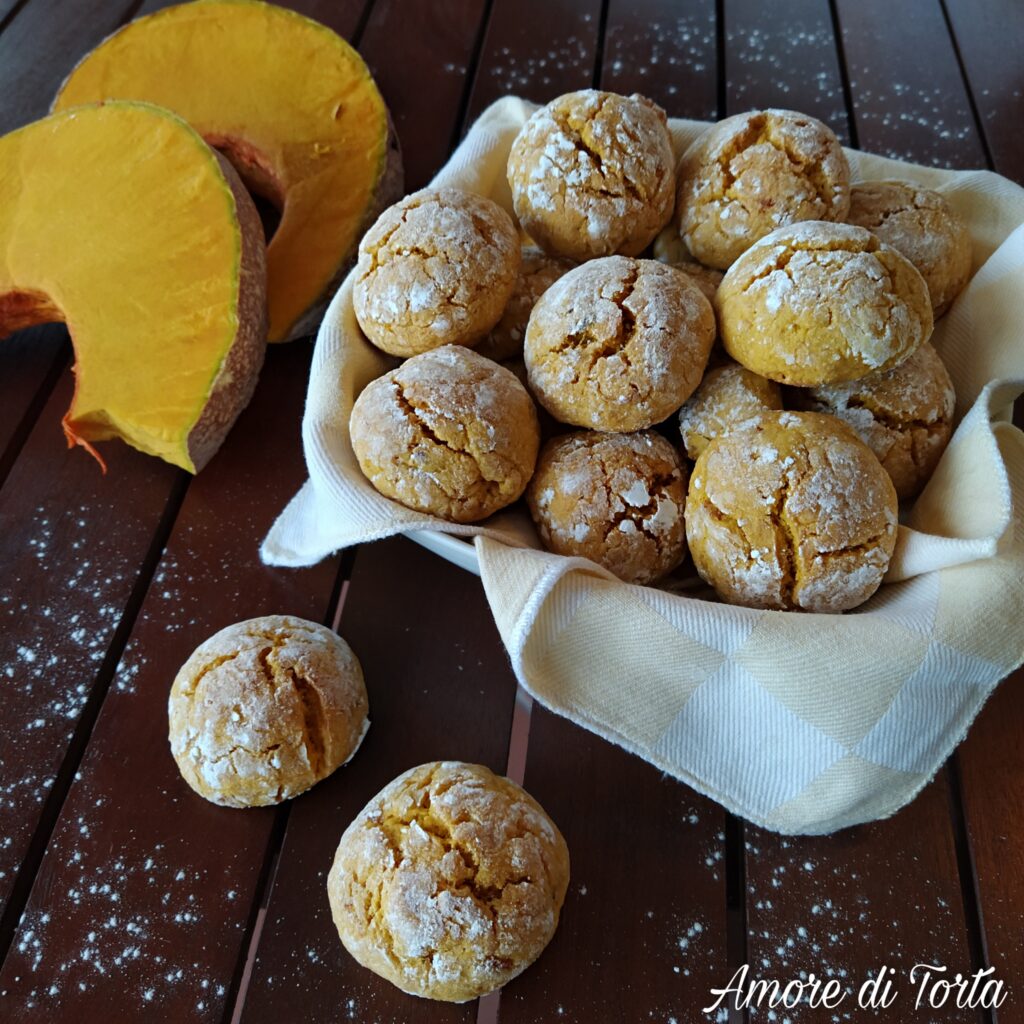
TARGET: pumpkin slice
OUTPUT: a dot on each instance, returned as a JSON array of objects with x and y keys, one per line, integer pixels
[
  {"x": 291, "y": 105},
  {"x": 119, "y": 220}
]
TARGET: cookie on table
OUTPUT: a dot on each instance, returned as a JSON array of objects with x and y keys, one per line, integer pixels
[
  {"x": 537, "y": 272},
  {"x": 448, "y": 433},
  {"x": 920, "y": 224},
  {"x": 616, "y": 499},
  {"x": 752, "y": 173},
  {"x": 728, "y": 398},
  {"x": 435, "y": 269},
  {"x": 904, "y": 415},
  {"x": 819, "y": 303},
  {"x": 793, "y": 513},
  {"x": 591, "y": 174},
  {"x": 618, "y": 344},
  {"x": 449, "y": 882},
  {"x": 264, "y": 709}
]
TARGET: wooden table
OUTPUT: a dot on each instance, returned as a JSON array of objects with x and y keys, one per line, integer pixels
[{"x": 126, "y": 898}]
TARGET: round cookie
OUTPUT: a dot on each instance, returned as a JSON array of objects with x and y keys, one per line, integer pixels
[
  {"x": 435, "y": 269},
  {"x": 537, "y": 273},
  {"x": 904, "y": 415},
  {"x": 730, "y": 397},
  {"x": 449, "y": 882},
  {"x": 820, "y": 303},
  {"x": 794, "y": 512},
  {"x": 920, "y": 224},
  {"x": 264, "y": 709},
  {"x": 755, "y": 172},
  {"x": 618, "y": 344},
  {"x": 448, "y": 433},
  {"x": 616, "y": 499},
  {"x": 591, "y": 174}
]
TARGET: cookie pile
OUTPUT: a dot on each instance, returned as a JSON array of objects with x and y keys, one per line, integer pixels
[{"x": 777, "y": 337}]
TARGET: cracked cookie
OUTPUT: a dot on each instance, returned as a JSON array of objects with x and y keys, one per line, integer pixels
[
  {"x": 616, "y": 499},
  {"x": 618, "y": 344},
  {"x": 591, "y": 174},
  {"x": 448, "y": 433},
  {"x": 729, "y": 397},
  {"x": 449, "y": 882},
  {"x": 435, "y": 269},
  {"x": 818, "y": 303},
  {"x": 920, "y": 224},
  {"x": 537, "y": 273},
  {"x": 793, "y": 513},
  {"x": 904, "y": 415},
  {"x": 755, "y": 172},
  {"x": 264, "y": 709}
]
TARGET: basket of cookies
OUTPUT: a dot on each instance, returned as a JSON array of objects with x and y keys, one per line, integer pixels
[{"x": 721, "y": 416}]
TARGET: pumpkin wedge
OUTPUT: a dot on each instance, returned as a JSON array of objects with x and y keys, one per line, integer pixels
[
  {"x": 291, "y": 105},
  {"x": 119, "y": 220}
]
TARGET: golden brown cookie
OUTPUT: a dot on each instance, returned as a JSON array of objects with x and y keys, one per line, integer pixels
[
  {"x": 265, "y": 709},
  {"x": 448, "y": 433},
  {"x": 819, "y": 303},
  {"x": 920, "y": 224},
  {"x": 794, "y": 512},
  {"x": 904, "y": 415},
  {"x": 618, "y": 344},
  {"x": 729, "y": 398},
  {"x": 537, "y": 272},
  {"x": 755, "y": 172},
  {"x": 449, "y": 882},
  {"x": 435, "y": 269},
  {"x": 591, "y": 174},
  {"x": 616, "y": 499}
]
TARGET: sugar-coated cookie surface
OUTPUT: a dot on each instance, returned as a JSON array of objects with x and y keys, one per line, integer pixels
[
  {"x": 795, "y": 512},
  {"x": 616, "y": 499},
  {"x": 754, "y": 172},
  {"x": 449, "y": 433},
  {"x": 264, "y": 709},
  {"x": 449, "y": 882},
  {"x": 904, "y": 415},
  {"x": 591, "y": 174},
  {"x": 920, "y": 224},
  {"x": 618, "y": 343},
  {"x": 435, "y": 269},
  {"x": 729, "y": 397},
  {"x": 819, "y": 303}
]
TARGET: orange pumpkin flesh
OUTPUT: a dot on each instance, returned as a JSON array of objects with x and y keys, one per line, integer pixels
[
  {"x": 290, "y": 104},
  {"x": 119, "y": 220}
]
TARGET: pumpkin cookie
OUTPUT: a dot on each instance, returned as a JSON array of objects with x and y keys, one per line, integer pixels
[
  {"x": 920, "y": 224},
  {"x": 435, "y": 269},
  {"x": 819, "y": 303},
  {"x": 616, "y": 499},
  {"x": 449, "y": 882},
  {"x": 448, "y": 433},
  {"x": 618, "y": 344},
  {"x": 755, "y": 172},
  {"x": 591, "y": 174},
  {"x": 794, "y": 512}
]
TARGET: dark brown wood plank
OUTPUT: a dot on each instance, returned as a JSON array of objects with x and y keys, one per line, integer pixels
[
  {"x": 440, "y": 688},
  {"x": 989, "y": 37},
  {"x": 142, "y": 879},
  {"x": 782, "y": 53},
  {"x": 665, "y": 51},
  {"x": 908, "y": 94}
]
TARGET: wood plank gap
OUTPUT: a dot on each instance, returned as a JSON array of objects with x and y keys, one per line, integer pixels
[
  {"x": 364, "y": 19},
  {"x": 971, "y": 102},
  {"x": 12, "y": 14},
  {"x": 471, "y": 72},
  {"x": 969, "y": 889},
  {"x": 602, "y": 26},
  {"x": 721, "y": 100},
  {"x": 735, "y": 904},
  {"x": 844, "y": 74},
  {"x": 29, "y": 866},
  {"x": 21, "y": 433}
]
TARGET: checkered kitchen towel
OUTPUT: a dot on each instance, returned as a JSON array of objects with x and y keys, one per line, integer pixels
[{"x": 798, "y": 722}]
